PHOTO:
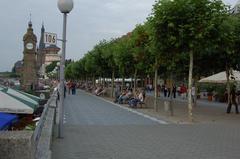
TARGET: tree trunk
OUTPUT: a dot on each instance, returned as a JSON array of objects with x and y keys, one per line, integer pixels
[
  {"x": 112, "y": 83},
  {"x": 190, "y": 114},
  {"x": 99, "y": 80},
  {"x": 142, "y": 82},
  {"x": 171, "y": 94},
  {"x": 104, "y": 82},
  {"x": 196, "y": 91},
  {"x": 155, "y": 82},
  {"x": 123, "y": 82},
  {"x": 93, "y": 80},
  {"x": 228, "y": 84},
  {"x": 135, "y": 81},
  {"x": 155, "y": 90},
  {"x": 131, "y": 84}
]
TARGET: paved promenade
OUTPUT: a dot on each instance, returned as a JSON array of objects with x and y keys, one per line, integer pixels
[{"x": 96, "y": 129}]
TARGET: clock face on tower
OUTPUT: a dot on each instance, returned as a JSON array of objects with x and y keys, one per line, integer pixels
[{"x": 29, "y": 46}]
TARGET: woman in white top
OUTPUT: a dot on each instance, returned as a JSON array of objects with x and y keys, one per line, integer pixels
[{"x": 140, "y": 99}]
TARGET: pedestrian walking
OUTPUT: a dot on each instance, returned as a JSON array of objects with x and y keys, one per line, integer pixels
[
  {"x": 69, "y": 85},
  {"x": 232, "y": 100},
  {"x": 158, "y": 90},
  {"x": 174, "y": 90},
  {"x": 169, "y": 91},
  {"x": 65, "y": 89},
  {"x": 183, "y": 91},
  {"x": 165, "y": 90},
  {"x": 73, "y": 86},
  {"x": 193, "y": 94},
  {"x": 117, "y": 93}
]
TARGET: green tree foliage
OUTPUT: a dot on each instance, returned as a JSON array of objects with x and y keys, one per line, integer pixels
[
  {"x": 68, "y": 72},
  {"x": 90, "y": 66},
  {"x": 182, "y": 27},
  {"x": 50, "y": 67},
  {"x": 178, "y": 37},
  {"x": 139, "y": 40},
  {"x": 108, "y": 51},
  {"x": 122, "y": 56},
  {"x": 139, "y": 47}
]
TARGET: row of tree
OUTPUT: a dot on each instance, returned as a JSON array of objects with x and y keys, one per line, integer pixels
[{"x": 178, "y": 37}]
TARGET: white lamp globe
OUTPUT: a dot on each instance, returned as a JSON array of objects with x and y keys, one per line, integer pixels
[{"x": 65, "y": 6}]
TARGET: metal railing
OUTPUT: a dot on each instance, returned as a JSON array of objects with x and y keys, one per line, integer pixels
[{"x": 40, "y": 125}]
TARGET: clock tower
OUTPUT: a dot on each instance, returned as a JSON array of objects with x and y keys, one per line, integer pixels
[{"x": 29, "y": 74}]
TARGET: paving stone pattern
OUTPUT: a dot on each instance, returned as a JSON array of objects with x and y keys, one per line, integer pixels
[{"x": 95, "y": 129}]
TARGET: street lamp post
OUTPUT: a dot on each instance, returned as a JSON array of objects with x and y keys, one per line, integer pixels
[{"x": 65, "y": 6}]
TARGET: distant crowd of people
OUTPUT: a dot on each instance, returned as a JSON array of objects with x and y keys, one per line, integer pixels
[
  {"x": 97, "y": 89},
  {"x": 121, "y": 96},
  {"x": 174, "y": 90},
  {"x": 183, "y": 92},
  {"x": 128, "y": 96},
  {"x": 69, "y": 87}
]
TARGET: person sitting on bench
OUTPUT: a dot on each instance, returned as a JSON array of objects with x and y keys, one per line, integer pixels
[
  {"x": 125, "y": 96},
  {"x": 139, "y": 99},
  {"x": 103, "y": 92},
  {"x": 98, "y": 90}
]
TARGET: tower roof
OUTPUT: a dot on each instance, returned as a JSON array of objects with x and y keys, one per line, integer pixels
[
  {"x": 30, "y": 21},
  {"x": 41, "y": 43},
  {"x": 30, "y": 24},
  {"x": 53, "y": 47},
  {"x": 30, "y": 34},
  {"x": 42, "y": 29}
]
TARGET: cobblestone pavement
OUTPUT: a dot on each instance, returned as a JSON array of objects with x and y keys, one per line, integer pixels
[{"x": 95, "y": 129}]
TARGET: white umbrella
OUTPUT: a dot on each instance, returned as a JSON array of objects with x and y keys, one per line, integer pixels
[
  {"x": 14, "y": 102},
  {"x": 221, "y": 78}
]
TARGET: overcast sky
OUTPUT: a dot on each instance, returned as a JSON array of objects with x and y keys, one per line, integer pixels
[{"x": 89, "y": 22}]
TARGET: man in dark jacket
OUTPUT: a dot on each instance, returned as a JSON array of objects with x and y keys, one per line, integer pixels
[{"x": 232, "y": 100}]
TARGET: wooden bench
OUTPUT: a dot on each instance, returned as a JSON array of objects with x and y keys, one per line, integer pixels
[{"x": 141, "y": 104}]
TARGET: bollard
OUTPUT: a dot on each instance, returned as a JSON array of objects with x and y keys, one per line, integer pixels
[{"x": 168, "y": 108}]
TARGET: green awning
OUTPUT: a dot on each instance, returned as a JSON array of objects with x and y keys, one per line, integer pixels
[{"x": 13, "y": 101}]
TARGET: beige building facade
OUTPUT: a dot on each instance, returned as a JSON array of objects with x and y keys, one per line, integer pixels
[{"x": 46, "y": 55}]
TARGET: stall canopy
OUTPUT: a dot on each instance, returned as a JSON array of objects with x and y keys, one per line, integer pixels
[
  {"x": 12, "y": 101},
  {"x": 7, "y": 120},
  {"x": 221, "y": 78}
]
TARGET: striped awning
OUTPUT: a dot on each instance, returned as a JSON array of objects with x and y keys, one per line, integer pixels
[{"x": 13, "y": 101}]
